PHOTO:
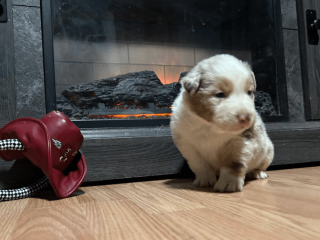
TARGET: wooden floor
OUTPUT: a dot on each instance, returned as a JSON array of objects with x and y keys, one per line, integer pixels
[{"x": 284, "y": 206}]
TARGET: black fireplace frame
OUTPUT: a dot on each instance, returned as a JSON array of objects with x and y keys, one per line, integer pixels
[{"x": 49, "y": 76}]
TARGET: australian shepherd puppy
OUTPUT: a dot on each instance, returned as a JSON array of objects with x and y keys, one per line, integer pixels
[{"x": 215, "y": 125}]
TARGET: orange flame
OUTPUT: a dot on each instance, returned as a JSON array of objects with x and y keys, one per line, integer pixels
[{"x": 122, "y": 116}]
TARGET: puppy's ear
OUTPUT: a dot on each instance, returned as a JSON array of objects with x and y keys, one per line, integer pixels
[
  {"x": 191, "y": 81},
  {"x": 252, "y": 75},
  {"x": 254, "y": 81}
]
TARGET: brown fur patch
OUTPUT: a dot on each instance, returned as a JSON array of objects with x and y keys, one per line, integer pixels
[
  {"x": 237, "y": 168},
  {"x": 199, "y": 104},
  {"x": 226, "y": 86}
]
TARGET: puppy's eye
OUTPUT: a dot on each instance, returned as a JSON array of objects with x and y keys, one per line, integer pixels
[
  {"x": 249, "y": 93},
  {"x": 220, "y": 95}
]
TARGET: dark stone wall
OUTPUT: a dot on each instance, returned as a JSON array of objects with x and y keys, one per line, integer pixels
[
  {"x": 28, "y": 55},
  {"x": 29, "y": 3},
  {"x": 21, "y": 63}
]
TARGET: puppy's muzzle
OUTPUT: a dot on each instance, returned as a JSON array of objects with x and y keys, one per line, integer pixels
[{"x": 244, "y": 118}]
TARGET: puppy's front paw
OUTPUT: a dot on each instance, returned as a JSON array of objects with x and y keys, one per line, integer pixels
[
  {"x": 257, "y": 174},
  {"x": 229, "y": 183},
  {"x": 205, "y": 181}
]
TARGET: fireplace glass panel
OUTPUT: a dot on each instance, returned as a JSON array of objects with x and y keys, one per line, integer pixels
[{"x": 123, "y": 59}]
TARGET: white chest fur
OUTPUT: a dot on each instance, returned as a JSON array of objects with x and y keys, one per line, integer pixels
[{"x": 196, "y": 136}]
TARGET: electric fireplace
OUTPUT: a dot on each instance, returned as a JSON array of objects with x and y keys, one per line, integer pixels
[
  {"x": 114, "y": 68},
  {"x": 118, "y": 63}
]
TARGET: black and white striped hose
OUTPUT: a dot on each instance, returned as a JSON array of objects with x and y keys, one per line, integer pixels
[{"x": 14, "y": 194}]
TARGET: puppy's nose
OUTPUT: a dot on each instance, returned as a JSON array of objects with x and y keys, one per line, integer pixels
[{"x": 244, "y": 118}]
